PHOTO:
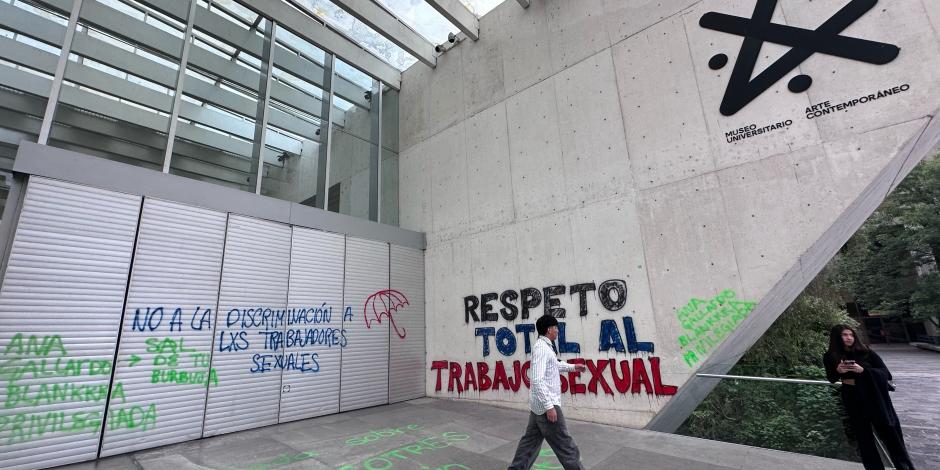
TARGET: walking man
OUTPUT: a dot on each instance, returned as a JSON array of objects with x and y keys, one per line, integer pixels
[{"x": 545, "y": 418}]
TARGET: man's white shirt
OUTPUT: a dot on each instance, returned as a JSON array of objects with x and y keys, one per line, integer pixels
[{"x": 544, "y": 381}]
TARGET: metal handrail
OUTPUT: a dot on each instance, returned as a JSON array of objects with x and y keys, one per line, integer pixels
[
  {"x": 769, "y": 379},
  {"x": 881, "y": 447}
]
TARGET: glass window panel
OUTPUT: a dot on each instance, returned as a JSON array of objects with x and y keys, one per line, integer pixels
[
  {"x": 293, "y": 42},
  {"x": 38, "y": 44},
  {"x": 390, "y": 118},
  {"x": 358, "y": 31},
  {"x": 27, "y": 65},
  {"x": 118, "y": 88},
  {"x": 219, "y": 46},
  {"x": 235, "y": 12},
  {"x": 216, "y": 130},
  {"x": 389, "y": 194},
  {"x": 388, "y": 197},
  {"x": 178, "y": 31},
  {"x": 354, "y": 110},
  {"x": 352, "y": 74},
  {"x": 296, "y": 120},
  {"x": 350, "y": 170},
  {"x": 355, "y": 137},
  {"x": 481, "y": 7},
  {"x": 126, "y": 9},
  {"x": 39, "y": 11}
]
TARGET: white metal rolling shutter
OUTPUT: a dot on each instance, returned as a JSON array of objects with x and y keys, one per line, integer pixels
[
  {"x": 60, "y": 309},
  {"x": 315, "y": 299},
  {"x": 254, "y": 286},
  {"x": 163, "y": 358},
  {"x": 406, "y": 371},
  {"x": 364, "y": 379}
]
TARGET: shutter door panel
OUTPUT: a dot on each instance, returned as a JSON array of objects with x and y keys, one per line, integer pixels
[
  {"x": 315, "y": 325},
  {"x": 163, "y": 359},
  {"x": 406, "y": 371},
  {"x": 364, "y": 379},
  {"x": 61, "y": 303},
  {"x": 252, "y": 295}
]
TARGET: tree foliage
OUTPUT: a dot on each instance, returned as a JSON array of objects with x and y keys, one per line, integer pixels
[
  {"x": 890, "y": 264},
  {"x": 791, "y": 417}
]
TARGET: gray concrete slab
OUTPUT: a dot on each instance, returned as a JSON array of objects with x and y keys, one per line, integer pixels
[
  {"x": 916, "y": 375},
  {"x": 433, "y": 434}
]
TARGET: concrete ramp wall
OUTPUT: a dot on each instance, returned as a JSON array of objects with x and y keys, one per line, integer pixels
[{"x": 590, "y": 160}]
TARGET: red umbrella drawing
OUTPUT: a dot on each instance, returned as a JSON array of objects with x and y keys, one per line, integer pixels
[{"x": 385, "y": 303}]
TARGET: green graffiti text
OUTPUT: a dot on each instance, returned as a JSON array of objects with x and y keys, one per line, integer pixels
[
  {"x": 25, "y": 427},
  {"x": 706, "y": 322},
  {"x": 380, "y": 434},
  {"x": 388, "y": 459}
]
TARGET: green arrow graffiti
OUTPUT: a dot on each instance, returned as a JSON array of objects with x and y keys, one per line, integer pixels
[{"x": 134, "y": 360}]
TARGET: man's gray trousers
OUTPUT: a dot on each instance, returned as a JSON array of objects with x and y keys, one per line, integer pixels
[{"x": 556, "y": 434}]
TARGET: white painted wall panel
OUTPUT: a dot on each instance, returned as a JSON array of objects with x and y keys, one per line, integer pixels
[
  {"x": 229, "y": 323},
  {"x": 364, "y": 380},
  {"x": 60, "y": 309},
  {"x": 166, "y": 342},
  {"x": 315, "y": 326},
  {"x": 246, "y": 353},
  {"x": 406, "y": 375}
]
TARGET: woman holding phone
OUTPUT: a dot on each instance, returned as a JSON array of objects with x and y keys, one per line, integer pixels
[{"x": 865, "y": 396}]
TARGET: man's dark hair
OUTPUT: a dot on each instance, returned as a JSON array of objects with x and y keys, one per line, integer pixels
[{"x": 544, "y": 323}]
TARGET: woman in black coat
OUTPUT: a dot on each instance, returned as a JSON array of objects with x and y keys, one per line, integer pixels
[{"x": 865, "y": 396}]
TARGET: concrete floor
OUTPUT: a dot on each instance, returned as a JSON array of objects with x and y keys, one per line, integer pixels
[
  {"x": 916, "y": 375},
  {"x": 432, "y": 434}
]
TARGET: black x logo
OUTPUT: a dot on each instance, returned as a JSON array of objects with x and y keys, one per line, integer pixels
[{"x": 804, "y": 43}]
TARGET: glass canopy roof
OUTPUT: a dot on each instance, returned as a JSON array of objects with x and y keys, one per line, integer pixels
[
  {"x": 481, "y": 7},
  {"x": 416, "y": 14}
]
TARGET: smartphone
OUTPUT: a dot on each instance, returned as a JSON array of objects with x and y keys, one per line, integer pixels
[{"x": 849, "y": 361}]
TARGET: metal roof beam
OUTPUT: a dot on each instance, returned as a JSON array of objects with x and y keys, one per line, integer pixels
[
  {"x": 389, "y": 26},
  {"x": 458, "y": 14},
  {"x": 330, "y": 41}
]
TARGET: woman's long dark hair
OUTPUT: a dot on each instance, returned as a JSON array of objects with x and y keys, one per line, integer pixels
[{"x": 837, "y": 347}]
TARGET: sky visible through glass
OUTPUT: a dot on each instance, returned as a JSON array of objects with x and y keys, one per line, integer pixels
[
  {"x": 417, "y": 14},
  {"x": 425, "y": 20},
  {"x": 359, "y": 32},
  {"x": 481, "y": 7}
]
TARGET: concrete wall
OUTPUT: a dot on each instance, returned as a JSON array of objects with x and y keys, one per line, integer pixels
[{"x": 580, "y": 142}]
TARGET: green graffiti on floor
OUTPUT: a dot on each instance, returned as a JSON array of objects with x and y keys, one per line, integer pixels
[
  {"x": 279, "y": 461},
  {"x": 408, "y": 453},
  {"x": 373, "y": 436},
  {"x": 706, "y": 322},
  {"x": 400, "y": 457},
  {"x": 547, "y": 461}
]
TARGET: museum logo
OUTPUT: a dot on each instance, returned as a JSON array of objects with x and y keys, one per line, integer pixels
[{"x": 825, "y": 39}]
